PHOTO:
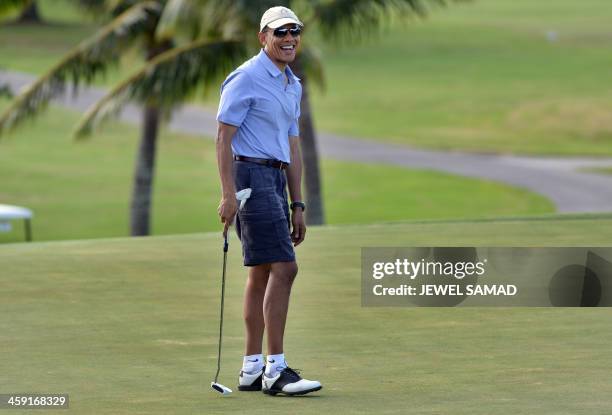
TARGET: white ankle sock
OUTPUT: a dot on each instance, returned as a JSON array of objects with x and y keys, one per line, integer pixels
[
  {"x": 275, "y": 363},
  {"x": 252, "y": 363}
]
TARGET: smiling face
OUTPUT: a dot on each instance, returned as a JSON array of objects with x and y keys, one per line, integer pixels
[{"x": 281, "y": 50}]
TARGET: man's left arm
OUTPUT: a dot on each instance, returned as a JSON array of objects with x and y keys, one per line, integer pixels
[{"x": 294, "y": 181}]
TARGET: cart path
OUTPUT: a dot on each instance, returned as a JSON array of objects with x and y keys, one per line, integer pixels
[{"x": 557, "y": 178}]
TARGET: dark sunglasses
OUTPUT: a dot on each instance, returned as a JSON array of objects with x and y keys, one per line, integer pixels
[{"x": 282, "y": 31}]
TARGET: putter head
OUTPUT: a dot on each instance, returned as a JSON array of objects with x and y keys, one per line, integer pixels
[{"x": 223, "y": 390}]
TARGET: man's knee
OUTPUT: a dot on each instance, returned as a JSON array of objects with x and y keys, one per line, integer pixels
[
  {"x": 293, "y": 270},
  {"x": 290, "y": 271},
  {"x": 286, "y": 271}
]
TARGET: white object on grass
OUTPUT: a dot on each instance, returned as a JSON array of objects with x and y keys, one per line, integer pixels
[
  {"x": 243, "y": 195},
  {"x": 9, "y": 212}
]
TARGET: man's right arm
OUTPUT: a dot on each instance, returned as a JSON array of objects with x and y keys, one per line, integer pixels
[{"x": 228, "y": 205}]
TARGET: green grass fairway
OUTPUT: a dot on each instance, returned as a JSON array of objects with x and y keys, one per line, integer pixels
[
  {"x": 81, "y": 190},
  {"x": 129, "y": 326},
  {"x": 483, "y": 76}
]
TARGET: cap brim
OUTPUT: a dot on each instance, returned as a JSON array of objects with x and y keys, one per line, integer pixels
[{"x": 281, "y": 22}]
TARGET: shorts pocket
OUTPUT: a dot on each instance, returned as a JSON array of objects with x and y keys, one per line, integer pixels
[
  {"x": 263, "y": 204},
  {"x": 259, "y": 235},
  {"x": 266, "y": 242}
]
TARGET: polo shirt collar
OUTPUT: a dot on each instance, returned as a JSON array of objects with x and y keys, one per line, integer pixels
[
  {"x": 273, "y": 69},
  {"x": 290, "y": 75}
]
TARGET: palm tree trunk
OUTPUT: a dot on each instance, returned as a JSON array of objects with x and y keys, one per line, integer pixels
[
  {"x": 310, "y": 155},
  {"x": 142, "y": 192},
  {"x": 30, "y": 13}
]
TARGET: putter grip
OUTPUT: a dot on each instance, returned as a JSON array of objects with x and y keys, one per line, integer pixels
[{"x": 225, "y": 245}]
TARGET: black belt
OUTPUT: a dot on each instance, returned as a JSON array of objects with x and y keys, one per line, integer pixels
[{"x": 277, "y": 164}]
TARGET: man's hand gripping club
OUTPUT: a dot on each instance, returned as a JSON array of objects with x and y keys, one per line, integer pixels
[{"x": 229, "y": 207}]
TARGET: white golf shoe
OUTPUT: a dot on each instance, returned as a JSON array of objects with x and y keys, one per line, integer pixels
[
  {"x": 288, "y": 382},
  {"x": 249, "y": 382}
]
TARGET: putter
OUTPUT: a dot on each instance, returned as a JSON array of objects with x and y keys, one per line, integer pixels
[
  {"x": 223, "y": 390},
  {"x": 242, "y": 196}
]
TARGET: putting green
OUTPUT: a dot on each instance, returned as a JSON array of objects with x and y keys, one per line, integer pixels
[{"x": 129, "y": 326}]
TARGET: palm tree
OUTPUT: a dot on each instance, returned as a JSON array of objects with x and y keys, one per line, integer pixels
[
  {"x": 337, "y": 20},
  {"x": 169, "y": 76},
  {"x": 219, "y": 32}
]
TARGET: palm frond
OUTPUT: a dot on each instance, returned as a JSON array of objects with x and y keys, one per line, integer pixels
[
  {"x": 176, "y": 13},
  {"x": 9, "y": 6},
  {"x": 251, "y": 10},
  {"x": 82, "y": 64},
  {"x": 116, "y": 7},
  {"x": 212, "y": 19},
  {"x": 167, "y": 80},
  {"x": 96, "y": 8},
  {"x": 356, "y": 19}
]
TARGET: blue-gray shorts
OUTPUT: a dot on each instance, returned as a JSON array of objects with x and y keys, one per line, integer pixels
[{"x": 263, "y": 223}]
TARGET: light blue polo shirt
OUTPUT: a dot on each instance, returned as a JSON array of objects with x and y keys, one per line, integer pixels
[{"x": 254, "y": 98}]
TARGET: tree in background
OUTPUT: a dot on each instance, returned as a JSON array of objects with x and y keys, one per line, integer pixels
[
  {"x": 168, "y": 78},
  {"x": 214, "y": 36},
  {"x": 29, "y": 13},
  {"x": 338, "y": 21}
]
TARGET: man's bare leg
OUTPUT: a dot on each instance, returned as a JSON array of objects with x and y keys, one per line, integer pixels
[
  {"x": 278, "y": 377},
  {"x": 276, "y": 303},
  {"x": 253, "y": 307}
]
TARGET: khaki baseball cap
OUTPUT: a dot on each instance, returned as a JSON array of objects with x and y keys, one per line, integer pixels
[{"x": 278, "y": 16}]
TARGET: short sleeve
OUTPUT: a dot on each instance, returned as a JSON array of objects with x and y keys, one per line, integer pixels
[
  {"x": 236, "y": 97},
  {"x": 294, "y": 129}
]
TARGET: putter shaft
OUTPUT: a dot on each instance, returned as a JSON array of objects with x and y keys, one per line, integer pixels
[{"x": 225, "y": 249}]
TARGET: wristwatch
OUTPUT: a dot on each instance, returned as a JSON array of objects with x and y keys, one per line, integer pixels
[{"x": 298, "y": 205}]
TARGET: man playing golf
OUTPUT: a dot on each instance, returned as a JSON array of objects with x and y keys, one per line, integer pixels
[{"x": 257, "y": 148}]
